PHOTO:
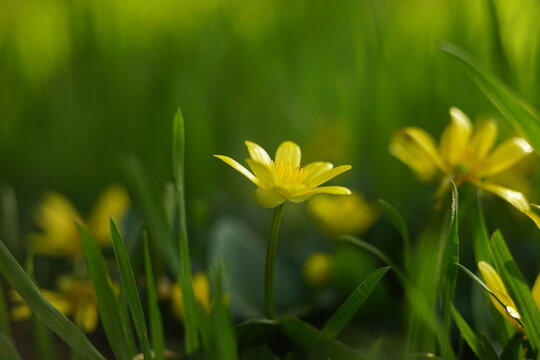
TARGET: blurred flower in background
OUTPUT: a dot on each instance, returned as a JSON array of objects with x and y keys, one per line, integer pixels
[
  {"x": 344, "y": 214},
  {"x": 317, "y": 269},
  {"x": 284, "y": 179},
  {"x": 464, "y": 156},
  {"x": 201, "y": 288},
  {"x": 74, "y": 297},
  {"x": 57, "y": 218}
]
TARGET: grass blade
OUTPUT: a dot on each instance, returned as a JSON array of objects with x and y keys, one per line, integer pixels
[
  {"x": 400, "y": 224},
  {"x": 7, "y": 349},
  {"x": 55, "y": 320},
  {"x": 519, "y": 290},
  {"x": 349, "y": 308},
  {"x": 129, "y": 287},
  {"x": 521, "y": 115},
  {"x": 185, "y": 278},
  {"x": 156, "y": 324},
  {"x": 4, "y": 313},
  {"x": 481, "y": 348},
  {"x": 112, "y": 318}
]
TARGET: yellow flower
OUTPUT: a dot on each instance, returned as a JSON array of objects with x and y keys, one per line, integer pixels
[
  {"x": 57, "y": 220},
  {"x": 344, "y": 214},
  {"x": 201, "y": 288},
  {"x": 464, "y": 156},
  {"x": 284, "y": 179},
  {"x": 508, "y": 308},
  {"x": 75, "y": 298},
  {"x": 316, "y": 268}
]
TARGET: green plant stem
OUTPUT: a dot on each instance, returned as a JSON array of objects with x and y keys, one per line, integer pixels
[{"x": 270, "y": 262}]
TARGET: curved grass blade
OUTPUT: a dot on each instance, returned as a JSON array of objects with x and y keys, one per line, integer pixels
[
  {"x": 348, "y": 309},
  {"x": 521, "y": 115},
  {"x": 112, "y": 317},
  {"x": 8, "y": 351},
  {"x": 156, "y": 324},
  {"x": 224, "y": 337},
  {"x": 480, "y": 347},
  {"x": 185, "y": 278},
  {"x": 400, "y": 224},
  {"x": 519, "y": 290},
  {"x": 55, "y": 320},
  {"x": 129, "y": 287}
]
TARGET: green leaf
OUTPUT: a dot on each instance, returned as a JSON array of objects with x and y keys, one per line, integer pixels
[
  {"x": 400, "y": 224},
  {"x": 513, "y": 350},
  {"x": 521, "y": 115},
  {"x": 55, "y": 320},
  {"x": 480, "y": 234},
  {"x": 7, "y": 349},
  {"x": 223, "y": 329},
  {"x": 348, "y": 309},
  {"x": 185, "y": 279},
  {"x": 518, "y": 287},
  {"x": 156, "y": 324},
  {"x": 110, "y": 313},
  {"x": 4, "y": 313},
  {"x": 449, "y": 256},
  {"x": 129, "y": 287},
  {"x": 480, "y": 347}
]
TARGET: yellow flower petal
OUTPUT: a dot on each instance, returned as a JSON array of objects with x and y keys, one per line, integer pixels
[
  {"x": 234, "y": 164},
  {"x": 263, "y": 173},
  {"x": 86, "y": 316},
  {"x": 495, "y": 284},
  {"x": 20, "y": 312},
  {"x": 315, "y": 169},
  {"x": 288, "y": 153},
  {"x": 268, "y": 199},
  {"x": 536, "y": 291},
  {"x": 201, "y": 289},
  {"x": 59, "y": 301},
  {"x": 114, "y": 201},
  {"x": 505, "y": 156},
  {"x": 455, "y": 137},
  {"x": 517, "y": 199},
  {"x": 416, "y": 148},
  {"x": 258, "y": 154},
  {"x": 483, "y": 139},
  {"x": 325, "y": 176},
  {"x": 332, "y": 190}
]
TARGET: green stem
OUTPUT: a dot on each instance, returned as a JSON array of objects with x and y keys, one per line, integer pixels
[{"x": 270, "y": 261}]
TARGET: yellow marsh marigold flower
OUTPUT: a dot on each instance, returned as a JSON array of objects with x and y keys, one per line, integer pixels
[
  {"x": 201, "y": 288},
  {"x": 75, "y": 298},
  {"x": 464, "y": 156},
  {"x": 316, "y": 269},
  {"x": 57, "y": 219},
  {"x": 343, "y": 214},
  {"x": 508, "y": 307},
  {"x": 284, "y": 179}
]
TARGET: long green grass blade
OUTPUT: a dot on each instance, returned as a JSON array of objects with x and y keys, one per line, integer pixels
[
  {"x": 156, "y": 324},
  {"x": 348, "y": 309},
  {"x": 481, "y": 348},
  {"x": 7, "y": 349},
  {"x": 450, "y": 256},
  {"x": 55, "y": 320},
  {"x": 129, "y": 287},
  {"x": 111, "y": 315},
  {"x": 185, "y": 279},
  {"x": 400, "y": 224},
  {"x": 522, "y": 116},
  {"x": 518, "y": 287},
  {"x": 4, "y": 313},
  {"x": 223, "y": 328}
]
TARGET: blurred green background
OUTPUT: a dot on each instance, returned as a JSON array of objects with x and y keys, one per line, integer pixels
[{"x": 82, "y": 83}]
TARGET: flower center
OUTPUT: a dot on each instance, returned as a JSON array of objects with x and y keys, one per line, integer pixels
[{"x": 285, "y": 174}]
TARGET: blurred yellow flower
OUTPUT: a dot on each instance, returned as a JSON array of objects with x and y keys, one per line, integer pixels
[
  {"x": 284, "y": 179},
  {"x": 75, "y": 297},
  {"x": 344, "y": 214},
  {"x": 464, "y": 156},
  {"x": 201, "y": 288},
  {"x": 508, "y": 308},
  {"x": 57, "y": 218},
  {"x": 316, "y": 269}
]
